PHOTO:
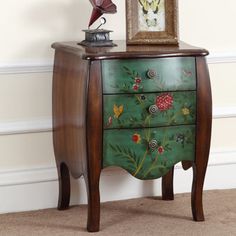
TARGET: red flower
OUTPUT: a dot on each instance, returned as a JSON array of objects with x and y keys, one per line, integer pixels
[
  {"x": 164, "y": 101},
  {"x": 135, "y": 87},
  {"x": 160, "y": 149},
  {"x": 136, "y": 138},
  {"x": 138, "y": 80},
  {"x": 110, "y": 120}
]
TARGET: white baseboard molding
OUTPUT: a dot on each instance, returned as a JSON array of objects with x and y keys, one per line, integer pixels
[
  {"x": 44, "y": 124},
  {"x": 32, "y": 189},
  {"x": 47, "y": 66}
]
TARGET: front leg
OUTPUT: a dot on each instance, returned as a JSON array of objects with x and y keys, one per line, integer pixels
[
  {"x": 203, "y": 137},
  {"x": 94, "y": 135},
  {"x": 92, "y": 185}
]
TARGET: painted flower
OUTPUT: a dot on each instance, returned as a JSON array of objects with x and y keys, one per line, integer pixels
[
  {"x": 135, "y": 87},
  {"x": 164, "y": 101},
  {"x": 143, "y": 97},
  {"x": 138, "y": 80},
  {"x": 180, "y": 138},
  {"x": 136, "y": 138},
  {"x": 110, "y": 120},
  {"x": 151, "y": 74},
  {"x": 185, "y": 111},
  {"x": 160, "y": 149}
]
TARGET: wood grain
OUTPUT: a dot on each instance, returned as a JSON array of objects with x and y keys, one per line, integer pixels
[
  {"x": 203, "y": 136},
  {"x": 94, "y": 145}
]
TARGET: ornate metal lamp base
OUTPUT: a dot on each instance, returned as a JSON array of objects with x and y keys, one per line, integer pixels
[{"x": 97, "y": 38}]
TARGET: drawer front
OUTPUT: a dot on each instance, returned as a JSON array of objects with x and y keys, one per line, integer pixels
[
  {"x": 148, "y": 153},
  {"x": 149, "y": 110},
  {"x": 148, "y": 75}
]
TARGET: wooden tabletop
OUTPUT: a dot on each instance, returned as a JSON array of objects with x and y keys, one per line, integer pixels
[{"x": 124, "y": 51}]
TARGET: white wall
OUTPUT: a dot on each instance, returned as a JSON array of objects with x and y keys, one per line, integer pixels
[{"x": 27, "y": 29}]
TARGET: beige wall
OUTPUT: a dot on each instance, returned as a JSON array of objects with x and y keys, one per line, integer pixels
[{"x": 29, "y": 27}]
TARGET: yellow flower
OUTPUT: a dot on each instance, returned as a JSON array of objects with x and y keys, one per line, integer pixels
[
  {"x": 118, "y": 110},
  {"x": 185, "y": 111}
]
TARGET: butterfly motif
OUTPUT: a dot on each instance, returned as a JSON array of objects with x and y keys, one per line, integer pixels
[
  {"x": 151, "y": 23},
  {"x": 187, "y": 73},
  {"x": 118, "y": 110},
  {"x": 150, "y": 5},
  {"x": 100, "y": 7}
]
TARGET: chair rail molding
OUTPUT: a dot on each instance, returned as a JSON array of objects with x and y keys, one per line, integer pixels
[
  {"x": 47, "y": 66},
  {"x": 44, "y": 124}
]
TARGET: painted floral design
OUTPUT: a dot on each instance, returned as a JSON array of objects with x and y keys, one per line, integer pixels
[
  {"x": 136, "y": 138},
  {"x": 152, "y": 75},
  {"x": 164, "y": 102},
  {"x": 172, "y": 144},
  {"x": 149, "y": 110},
  {"x": 185, "y": 111},
  {"x": 135, "y": 87},
  {"x": 138, "y": 80},
  {"x": 160, "y": 149}
]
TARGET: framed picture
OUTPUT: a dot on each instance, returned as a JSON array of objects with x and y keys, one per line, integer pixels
[{"x": 151, "y": 22}]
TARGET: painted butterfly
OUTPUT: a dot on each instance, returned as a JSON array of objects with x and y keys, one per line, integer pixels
[{"x": 100, "y": 7}]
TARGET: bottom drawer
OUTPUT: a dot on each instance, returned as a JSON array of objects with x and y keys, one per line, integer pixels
[{"x": 148, "y": 153}]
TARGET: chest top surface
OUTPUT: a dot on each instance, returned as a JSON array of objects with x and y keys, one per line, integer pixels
[{"x": 122, "y": 51}]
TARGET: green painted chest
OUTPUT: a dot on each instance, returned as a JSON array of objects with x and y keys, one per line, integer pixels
[
  {"x": 149, "y": 114},
  {"x": 141, "y": 108}
]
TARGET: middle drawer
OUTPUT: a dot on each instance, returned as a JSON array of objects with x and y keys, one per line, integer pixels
[{"x": 149, "y": 109}]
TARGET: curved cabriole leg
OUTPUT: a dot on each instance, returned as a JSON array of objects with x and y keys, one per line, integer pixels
[
  {"x": 203, "y": 137},
  {"x": 187, "y": 164},
  {"x": 197, "y": 190},
  {"x": 64, "y": 187},
  {"x": 167, "y": 185},
  {"x": 94, "y": 146},
  {"x": 93, "y": 221}
]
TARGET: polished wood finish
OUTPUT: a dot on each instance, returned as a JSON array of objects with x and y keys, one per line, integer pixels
[
  {"x": 187, "y": 164},
  {"x": 78, "y": 119},
  {"x": 122, "y": 51},
  {"x": 203, "y": 136},
  {"x": 167, "y": 186},
  {"x": 94, "y": 146},
  {"x": 69, "y": 92}
]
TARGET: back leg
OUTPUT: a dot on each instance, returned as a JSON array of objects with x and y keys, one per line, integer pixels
[
  {"x": 167, "y": 185},
  {"x": 64, "y": 187}
]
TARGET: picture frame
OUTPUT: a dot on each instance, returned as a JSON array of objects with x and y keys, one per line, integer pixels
[{"x": 151, "y": 22}]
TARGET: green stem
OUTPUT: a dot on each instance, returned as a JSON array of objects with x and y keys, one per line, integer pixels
[
  {"x": 141, "y": 163},
  {"x": 151, "y": 167}
]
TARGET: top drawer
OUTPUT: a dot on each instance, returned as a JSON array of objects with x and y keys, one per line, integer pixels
[{"x": 148, "y": 75}]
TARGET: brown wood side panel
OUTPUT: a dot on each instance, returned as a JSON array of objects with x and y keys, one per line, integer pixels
[
  {"x": 203, "y": 136},
  {"x": 69, "y": 110}
]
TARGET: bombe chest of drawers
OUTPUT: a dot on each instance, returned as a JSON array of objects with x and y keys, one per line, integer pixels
[{"x": 141, "y": 108}]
